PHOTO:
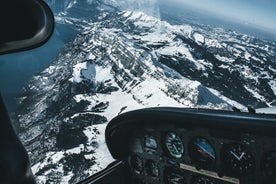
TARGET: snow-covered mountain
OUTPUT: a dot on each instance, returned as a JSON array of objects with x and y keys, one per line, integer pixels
[{"x": 125, "y": 60}]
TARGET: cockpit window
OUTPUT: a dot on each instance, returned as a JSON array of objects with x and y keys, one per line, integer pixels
[{"x": 108, "y": 57}]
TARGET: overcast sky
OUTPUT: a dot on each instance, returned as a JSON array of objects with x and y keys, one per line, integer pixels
[{"x": 258, "y": 12}]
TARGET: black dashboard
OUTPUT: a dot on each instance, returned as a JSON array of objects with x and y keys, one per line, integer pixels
[{"x": 194, "y": 146}]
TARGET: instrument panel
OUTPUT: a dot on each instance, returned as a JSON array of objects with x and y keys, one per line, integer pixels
[
  {"x": 191, "y": 146},
  {"x": 200, "y": 156}
]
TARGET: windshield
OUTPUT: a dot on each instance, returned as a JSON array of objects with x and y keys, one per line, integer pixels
[{"x": 108, "y": 57}]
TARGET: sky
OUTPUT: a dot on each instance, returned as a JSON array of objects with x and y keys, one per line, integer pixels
[{"x": 256, "y": 12}]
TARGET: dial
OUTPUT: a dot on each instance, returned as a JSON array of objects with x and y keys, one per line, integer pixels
[
  {"x": 201, "y": 152},
  {"x": 174, "y": 145},
  {"x": 269, "y": 166},
  {"x": 152, "y": 168},
  {"x": 202, "y": 180},
  {"x": 237, "y": 160},
  {"x": 137, "y": 163},
  {"x": 174, "y": 177}
]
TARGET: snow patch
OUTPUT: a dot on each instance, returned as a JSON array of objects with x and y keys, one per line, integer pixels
[
  {"x": 199, "y": 38},
  {"x": 90, "y": 56},
  {"x": 272, "y": 84},
  {"x": 77, "y": 72}
]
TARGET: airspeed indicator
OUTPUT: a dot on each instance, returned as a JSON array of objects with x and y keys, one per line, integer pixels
[{"x": 174, "y": 145}]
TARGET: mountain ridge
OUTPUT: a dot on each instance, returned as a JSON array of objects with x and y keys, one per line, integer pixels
[{"x": 126, "y": 60}]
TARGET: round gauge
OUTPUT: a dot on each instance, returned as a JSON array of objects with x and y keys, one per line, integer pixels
[
  {"x": 202, "y": 152},
  {"x": 202, "y": 180},
  {"x": 174, "y": 145},
  {"x": 237, "y": 160},
  {"x": 173, "y": 177},
  {"x": 136, "y": 163},
  {"x": 152, "y": 168},
  {"x": 269, "y": 166}
]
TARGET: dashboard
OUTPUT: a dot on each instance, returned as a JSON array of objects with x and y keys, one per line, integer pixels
[{"x": 188, "y": 146}]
